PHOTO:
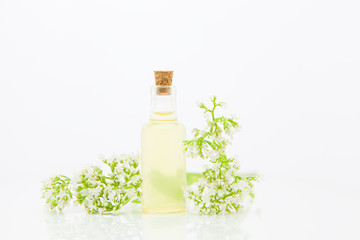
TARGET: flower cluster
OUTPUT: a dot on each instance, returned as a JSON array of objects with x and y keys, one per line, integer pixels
[
  {"x": 99, "y": 193},
  {"x": 97, "y": 190},
  {"x": 57, "y": 192},
  {"x": 221, "y": 188}
]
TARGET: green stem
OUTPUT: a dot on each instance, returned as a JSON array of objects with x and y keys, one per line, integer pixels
[{"x": 213, "y": 117}]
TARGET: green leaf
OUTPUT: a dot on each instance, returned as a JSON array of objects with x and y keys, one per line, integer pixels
[
  {"x": 136, "y": 201},
  {"x": 192, "y": 177}
]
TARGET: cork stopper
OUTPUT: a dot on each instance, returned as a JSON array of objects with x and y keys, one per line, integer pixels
[{"x": 163, "y": 80}]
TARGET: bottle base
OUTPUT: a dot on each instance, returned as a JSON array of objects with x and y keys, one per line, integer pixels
[{"x": 163, "y": 211}]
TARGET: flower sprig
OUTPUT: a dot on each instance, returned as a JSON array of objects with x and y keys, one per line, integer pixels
[
  {"x": 211, "y": 142},
  {"x": 57, "y": 192},
  {"x": 96, "y": 190},
  {"x": 221, "y": 188}
]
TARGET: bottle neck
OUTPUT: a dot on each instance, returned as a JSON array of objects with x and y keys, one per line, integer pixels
[{"x": 163, "y": 103}]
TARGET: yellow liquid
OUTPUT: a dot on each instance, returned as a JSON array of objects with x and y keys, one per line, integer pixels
[{"x": 163, "y": 166}]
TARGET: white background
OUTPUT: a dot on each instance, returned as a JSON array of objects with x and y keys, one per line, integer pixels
[{"x": 75, "y": 81}]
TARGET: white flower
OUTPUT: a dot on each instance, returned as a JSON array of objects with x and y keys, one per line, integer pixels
[
  {"x": 207, "y": 193},
  {"x": 136, "y": 178},
  {"x": 213, "y": 155},
  {"x": 119, "y": 168},
  {"x": 220, "y": 193},
  {"x": 121, "y": 179},
  {"x": 131, "y": 193},
  {"x": 195, "y": 189},
  {"x": 216, "y": 166},
  {"x": 240, "y": 185},
  {"x": 126, "y": 165},
  {"x": 112, "y": 195},
  {"x": 229, "y": 177},
  {"x": 84, "y": 192},
  {"x": 97, "y": 191}
]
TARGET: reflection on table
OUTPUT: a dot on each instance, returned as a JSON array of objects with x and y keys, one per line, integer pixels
[{"x": 76, "y": 224}]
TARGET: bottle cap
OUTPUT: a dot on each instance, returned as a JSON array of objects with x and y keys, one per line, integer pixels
[
  {"x": 163, "y": 78},
  {"x": 163, "y": 81}
]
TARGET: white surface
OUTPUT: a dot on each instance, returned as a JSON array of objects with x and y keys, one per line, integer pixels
[
  {"x": 286, "y": 208},
  {"x": 75, "y": 82}
]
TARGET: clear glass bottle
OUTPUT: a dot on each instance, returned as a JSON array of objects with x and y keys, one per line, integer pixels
[{"x": 162, "y": 155}]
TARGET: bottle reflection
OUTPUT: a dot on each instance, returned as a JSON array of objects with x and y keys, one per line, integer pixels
[
  {"x": 134, "y": 225},
  {"x": 164, "y": 226}
]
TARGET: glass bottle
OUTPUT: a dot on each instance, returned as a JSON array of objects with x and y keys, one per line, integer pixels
[{"x": 163, "y": 167}]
